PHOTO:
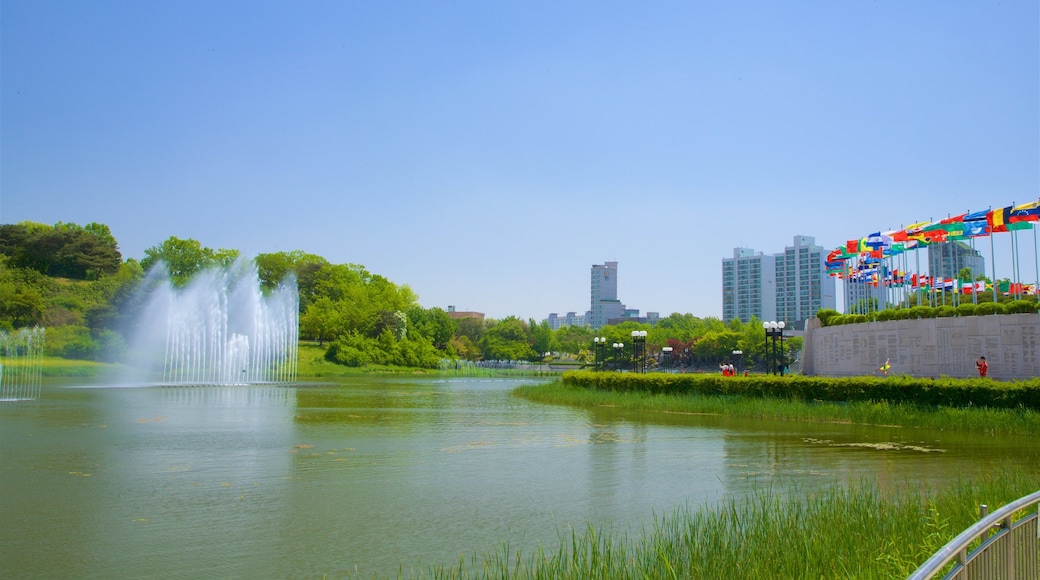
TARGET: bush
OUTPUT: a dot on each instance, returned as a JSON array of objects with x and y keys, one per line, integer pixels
[
  {"x": 1020, "y": 307},
  {"x": 945, "y": 311},
  {"x": 857, "y": 318},
  {"x": 825, "y": 315},
  {"x": 837, "y": 320},
  {"x": 70, "y": 341},
  {"x": 943, "y": 392},
  {"x": 966, "y": 309},
  {"x": 922, "y": 312},
  {"x": 886, "y": 314},
  {"x": 903, "y": 314},
  {"x": 987, "y": 308}
]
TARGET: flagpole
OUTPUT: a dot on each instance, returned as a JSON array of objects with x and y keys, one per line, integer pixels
[
  {"x": 1014, "y": 262},
  {"x": 975, "y": 290},
  {"x": 993, "y": 259},
  {"x": 1037, "y": 265}
]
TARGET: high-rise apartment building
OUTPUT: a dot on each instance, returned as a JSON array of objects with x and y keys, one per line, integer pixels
[
  {"x": 790, "y": 286},
  {"x": 748, "y": 286},
  {"x": 605, "y": 303},
  {"x": 802, "y": 284}
]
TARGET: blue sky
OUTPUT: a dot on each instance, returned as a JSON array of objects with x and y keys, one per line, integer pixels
[{"x": 488, "y": 153}]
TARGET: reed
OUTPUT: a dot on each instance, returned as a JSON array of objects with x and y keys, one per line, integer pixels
[
  {"x": 858, "y": 531},
  {"x": 972, "y": 419}
]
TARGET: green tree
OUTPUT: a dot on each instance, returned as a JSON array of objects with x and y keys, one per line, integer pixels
[
  {"x": 322, "y": 321},
  {"x": 508, "y": 339},
  {"x": 543, "y": 340},
  {"x": 185, "y": 258},
  {"x": 433, "y": 323}
]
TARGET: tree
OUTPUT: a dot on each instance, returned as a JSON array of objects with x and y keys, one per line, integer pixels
[
  {"x": 322, "y": 321},
  {"x": 185, "y": 258},
  {"x": 508, "y": 339},
  {"x": 432, "y": 323},
  {"x": 541, "y": 337}
]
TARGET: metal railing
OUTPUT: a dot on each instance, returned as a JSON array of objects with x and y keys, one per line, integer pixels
[{"x": 1012, "y": 552}]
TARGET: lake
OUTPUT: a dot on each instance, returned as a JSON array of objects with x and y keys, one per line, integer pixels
[{"x": 374, "y": 475}]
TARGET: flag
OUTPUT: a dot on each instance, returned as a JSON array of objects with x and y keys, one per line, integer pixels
[
  {"x": 1027, "y": 212},
  {"x": 998, "y": 219},
  {"x": 884, "y": 368}
]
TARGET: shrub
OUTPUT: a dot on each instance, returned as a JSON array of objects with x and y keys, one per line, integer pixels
[
  {"x": 858, "y": 318},
  {"x": 922, "y": 312},
  {"x": 987, "y": 308},
  {"x": 837, "y": 320},
  {"x": 1020, "y": 306},
  {"x": 966, "y": 309},
  {"x": 826, "y": 315},
  {"x": 945, "y": 311},
  {"x": 903, "y": 314},
  {"x": 886, "y": 314}
]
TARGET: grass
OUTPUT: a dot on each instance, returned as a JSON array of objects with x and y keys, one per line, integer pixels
[
  {"x": 857, "y": 531},
  {"x": 52, "y": 366},
  {"x": 975, "y": 420}
]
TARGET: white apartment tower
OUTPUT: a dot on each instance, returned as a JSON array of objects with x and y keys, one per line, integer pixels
[
  {"x": 748, "y": 286},
  {"x": 802, "y": 284},
  {"x": 790, "y": 286}
]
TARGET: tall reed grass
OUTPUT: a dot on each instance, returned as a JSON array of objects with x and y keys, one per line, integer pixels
[
  {"x": 976, "y": 420},
  {"x": 857, "y": 531}
]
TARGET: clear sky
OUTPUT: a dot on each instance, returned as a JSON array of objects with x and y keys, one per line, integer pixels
[{"x": 488, "y": 153}]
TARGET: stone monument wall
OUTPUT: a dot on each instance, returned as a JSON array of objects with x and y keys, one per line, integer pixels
[{"x": 930, "y": 347}]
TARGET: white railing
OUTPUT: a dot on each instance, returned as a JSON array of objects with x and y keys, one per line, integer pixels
[{"x": 1012, "y": 552}]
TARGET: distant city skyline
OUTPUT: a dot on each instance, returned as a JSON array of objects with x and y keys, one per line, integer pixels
[{"x": 486, "y": 154}]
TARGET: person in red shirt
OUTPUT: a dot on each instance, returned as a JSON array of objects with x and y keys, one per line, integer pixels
[{"x": 982, "y": 366}]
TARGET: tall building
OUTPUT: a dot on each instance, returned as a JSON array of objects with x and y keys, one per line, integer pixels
[
  {"x": 748, "y": 286},
  {"x": 790, "y": 286},
  {"x": 802, "y": 284},
  {"x": 605, "y": 303},
  {"x": 947, "y": 259}
]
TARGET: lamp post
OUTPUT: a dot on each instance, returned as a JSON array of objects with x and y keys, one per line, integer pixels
[
  {"x": 774, "y": 330},
  {"x": 619, "y": 351},
  {"x": 666, "y": 355},
  {"x": 737, "y": 354},
  {"x": 600, "y": 343},
  {"x": 639, "y": 349}
]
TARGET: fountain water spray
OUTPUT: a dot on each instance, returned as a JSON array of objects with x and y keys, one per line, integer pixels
[
  {"x": 21, "y": 369},
  {"x": 220, "y": 329}
]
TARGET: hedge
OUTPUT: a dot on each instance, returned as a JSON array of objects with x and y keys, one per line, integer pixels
[{"x": 942, "y": 392}]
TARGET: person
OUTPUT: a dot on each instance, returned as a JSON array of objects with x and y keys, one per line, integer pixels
[{"x": 982, "y": 366}]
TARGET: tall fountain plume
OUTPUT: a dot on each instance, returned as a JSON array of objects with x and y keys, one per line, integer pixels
[
  {"x": 21, "y": 364},
  {"x": 219, "y": 329}
]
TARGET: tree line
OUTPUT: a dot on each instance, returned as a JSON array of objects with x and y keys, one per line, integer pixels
[{"x": 73, "y": 280}]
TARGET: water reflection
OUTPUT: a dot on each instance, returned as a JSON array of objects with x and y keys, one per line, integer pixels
[{"x": 371, "y": 473}]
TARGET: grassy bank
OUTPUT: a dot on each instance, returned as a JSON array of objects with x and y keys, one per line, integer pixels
[
  {"x": 976, "y": 420},
  {"x": 52, "y": 366},
  {"x": 841, "y": 532}
]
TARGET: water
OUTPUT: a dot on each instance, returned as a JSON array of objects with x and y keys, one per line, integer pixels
[
  {"x": 372, "y": 474},
  {"x": 21, "y": 358},
  {"x": 220, "y": 329}
]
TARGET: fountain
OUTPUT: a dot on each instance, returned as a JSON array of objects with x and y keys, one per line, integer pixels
[
  {"x": 21, "y": 358},
  {"x": 219, "y": 329}
]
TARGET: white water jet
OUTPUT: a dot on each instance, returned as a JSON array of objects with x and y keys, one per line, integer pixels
[
  {"x": 219, "y": 329},
  {"x": 21, "y": 368}
]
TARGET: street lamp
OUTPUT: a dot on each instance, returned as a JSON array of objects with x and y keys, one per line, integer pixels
[
  {"x": 639, "y": 348},
  {"x": 666, "y": 355},
  {"x": 619, "y": 351},
  {"x": 600, "y": 344},
  {"x": 737, "y": 354},
  {"x": 774, "y": 330}
]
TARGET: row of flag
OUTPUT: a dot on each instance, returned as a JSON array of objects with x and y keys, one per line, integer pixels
[{"x": 862, "y": 260}]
